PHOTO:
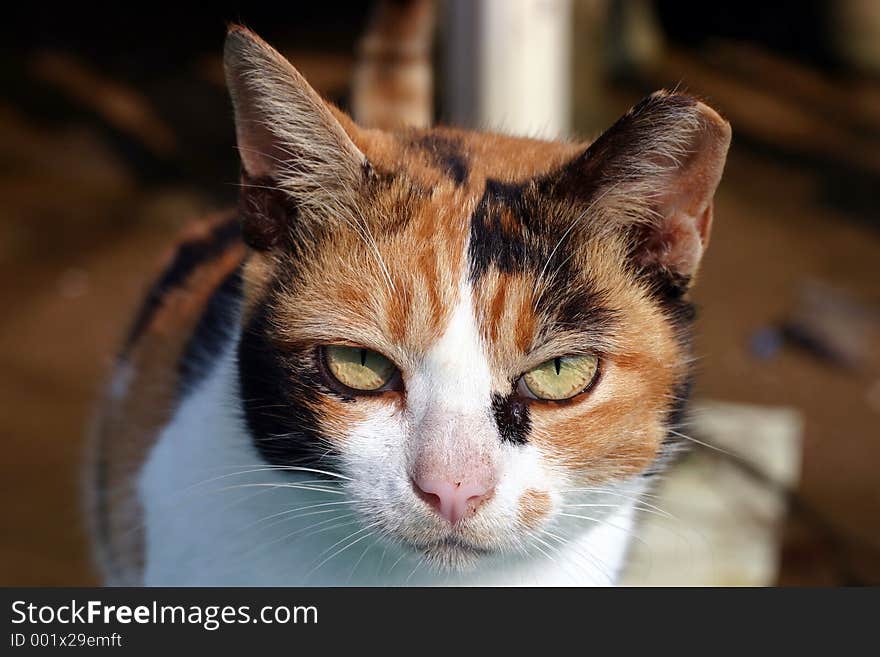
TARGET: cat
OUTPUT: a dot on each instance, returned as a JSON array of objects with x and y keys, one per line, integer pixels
[{"x": 420, "y": 356}]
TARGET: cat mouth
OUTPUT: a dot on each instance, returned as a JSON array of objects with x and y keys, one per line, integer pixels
[{"x": 451, "y": 553}]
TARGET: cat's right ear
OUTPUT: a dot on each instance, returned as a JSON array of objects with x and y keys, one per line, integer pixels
[
  {"x": 299, "y": 163},
  {"x": 653, "y": 174}
]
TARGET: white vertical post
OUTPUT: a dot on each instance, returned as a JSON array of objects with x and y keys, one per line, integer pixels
[{"x": 509, "y": 65}]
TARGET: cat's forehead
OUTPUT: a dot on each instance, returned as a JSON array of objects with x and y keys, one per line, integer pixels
[
  {"x": 463, "y": 158},
  {"x": 454, "y": 216}
]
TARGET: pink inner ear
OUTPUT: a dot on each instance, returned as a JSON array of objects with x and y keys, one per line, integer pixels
[
  {"x": 256, "y": 149},
  {"x": 685, "y": 203},
  {"x": 680, "y": 240},
  {"x": 682, "y": 235},
  {"x": 279, "y": 117}
]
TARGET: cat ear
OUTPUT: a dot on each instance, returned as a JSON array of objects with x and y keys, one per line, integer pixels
[
  {"x": 289, "y": 139},
  {"x": 654, "y": 173}
]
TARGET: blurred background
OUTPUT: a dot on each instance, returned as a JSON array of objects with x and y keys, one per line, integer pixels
[{"x": 115, "y": 130}]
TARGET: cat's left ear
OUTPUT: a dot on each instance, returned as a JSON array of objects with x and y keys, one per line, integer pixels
[
  {"x": 654, "y": 174},
  {"x": 290, "y": 143}
]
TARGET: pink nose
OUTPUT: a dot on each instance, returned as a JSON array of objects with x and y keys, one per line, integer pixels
[{"x": 452, "y": 500}]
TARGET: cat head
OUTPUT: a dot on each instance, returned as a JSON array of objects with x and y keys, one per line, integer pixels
[{"x": 472, "y": 330}]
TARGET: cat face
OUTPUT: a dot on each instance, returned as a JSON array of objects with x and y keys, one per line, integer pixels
[{"x": 471, "y": 330}]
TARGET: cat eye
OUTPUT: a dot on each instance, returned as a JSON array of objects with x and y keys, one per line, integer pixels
[
  {"x": 560, "y": 378},
  {"x": 358, "y": 368}
]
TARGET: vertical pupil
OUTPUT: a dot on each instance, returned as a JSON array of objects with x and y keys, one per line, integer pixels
[
  {"x": 557, "y": 362},
  {"x": 363, "y": 357}
]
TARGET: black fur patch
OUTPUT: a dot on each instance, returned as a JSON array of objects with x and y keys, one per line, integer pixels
[
  {"x": 503, "y": 234},
  {"x": 280, "y": 392},
  {"x": 676, "y": 414},
  {"x": 673, "y": 441},
  {"x": 190, "y": 255},
  {"x": 512, "y": 417},
  {"x": 267, "y": 213},
  {"x": 446, "y": 153},
  {"x": 681, "y": 313},
  {"x": 509, "y": 233},
  {"x": 569, "y": 304},
  {"x": 216, "y": 326}
]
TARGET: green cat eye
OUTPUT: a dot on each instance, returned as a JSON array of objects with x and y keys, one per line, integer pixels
[
  {"x": 358, "y": 368},
  {"x": 561, "y": 378}
]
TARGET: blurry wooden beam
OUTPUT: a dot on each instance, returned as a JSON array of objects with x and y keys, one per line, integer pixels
[
  {"x": 633, "y": 36},
  {"x": 855, "y": 31},
  {"x": 851, "y": 101},
  {"x": 393, "y": 83},
  {"x": 118, "y": 104},
  {"x": 508, "y": 65},
  {"x": 759, "y": 105}
]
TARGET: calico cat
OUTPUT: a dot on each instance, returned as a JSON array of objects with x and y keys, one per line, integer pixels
[{"x": 421, "y": 356}]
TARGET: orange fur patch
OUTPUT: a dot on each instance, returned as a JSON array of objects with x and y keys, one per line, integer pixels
[
  {"x": 534, "y": 507},
  {"x": 616, "y": 429}
]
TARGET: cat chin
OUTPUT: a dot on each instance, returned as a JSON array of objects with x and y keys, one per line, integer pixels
[{"x": 451, "y": 556}]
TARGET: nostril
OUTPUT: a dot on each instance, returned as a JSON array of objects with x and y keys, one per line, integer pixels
[
  {"x": 431, "y": 499},
  {"x": 474, "y": 502}
]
